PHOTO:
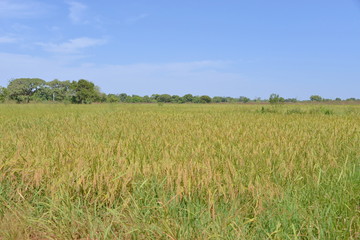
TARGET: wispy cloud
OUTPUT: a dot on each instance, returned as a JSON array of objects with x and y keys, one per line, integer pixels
[
  {"x": 22, "y": 9},
  {"x": 197, "y": 77},
  {"x": 77, "y": 12},
  {"x": 6, "y": 39},
  {"x": 137, "y": 18},
  {"x": 73, "y": 45}
]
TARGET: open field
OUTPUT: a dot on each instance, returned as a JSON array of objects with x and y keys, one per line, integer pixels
[{"x": 128, "y": 171}]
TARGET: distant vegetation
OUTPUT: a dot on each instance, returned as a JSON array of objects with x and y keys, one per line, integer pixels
[{"x": 24, "y": 90}]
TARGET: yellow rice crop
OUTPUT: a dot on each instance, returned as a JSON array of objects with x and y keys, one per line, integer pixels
[{"x": 179, "y": 172}]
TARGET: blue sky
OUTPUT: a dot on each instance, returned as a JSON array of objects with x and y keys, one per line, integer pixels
[{"x": 217, "y": 47}]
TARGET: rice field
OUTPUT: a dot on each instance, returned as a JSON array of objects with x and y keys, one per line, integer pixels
[{"x": 145, "y": 171}]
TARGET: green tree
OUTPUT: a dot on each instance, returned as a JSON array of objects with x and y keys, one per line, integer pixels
[
  {"x": 147, "y": 99},
  {"x": 276, "y": 99},
  {"x": 176, "y": 99},
  {"x": 21, "y": 89},
  {"x": 244, "y": 99},
  {"x": 196, "y": 99},
  {"x": 3, "y": 94},
  {"x": 205, "y": 99},
  {"x": 218, "y": 99},
  {"x": 136, "y": 99},
  {"x": 112, "y": 98},
  {"x": 85, "y": 92},
  {"x": 257, "y": 99},
  {"x": 123, "y": 97},
  {"x": 316, "y": 98},
  {"x": 188, "y": 98},
  {"x": 42, "y": 94},
  {"x": 60, "y": 90},
  {"x": 165, "y": 98},
  {"x": 292, "y": 100}
]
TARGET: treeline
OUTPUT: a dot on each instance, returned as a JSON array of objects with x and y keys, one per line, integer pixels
[{"x": 24, "y": 90}]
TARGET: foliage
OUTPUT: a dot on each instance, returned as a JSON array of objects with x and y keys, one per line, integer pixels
[
  {"x": 196, "y": 99},
  {"x": 135, "y": 99},
  {"x": 3, "y": 94},
  {"x": 164, "y": 98},
  {"x": 187, "y": 98},
  {"x": 147, "y": 99},
  {"x": 276, "y": 99},
  {"x": 258, "y": 99},
  {"x": 84, "y": 92},
  {"x": 60, "y": 90},
  {"x": 205, "y": 99},
  {"x": 176, "y": 99},
  {"x": 123, "y": 97},
  {"x": 244, "y": 99},
  {"x": 112, "y": 98},
  {"x": 21, "y": 89},
  {"x": 291, "y": 100},
  {"x": 316, "y": 98}
]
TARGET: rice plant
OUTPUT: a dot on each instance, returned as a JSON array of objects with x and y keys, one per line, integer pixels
[{"x": 118, "y": 171}]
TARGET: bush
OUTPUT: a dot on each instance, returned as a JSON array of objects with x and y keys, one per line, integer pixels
[
  {"x": 276, "y": 99},
  {"x": 164, "y": 98},
  {"x": 244, "y": 99},
  {"x": 205, "y": 99},
  {"x": 316, "y": 98}
]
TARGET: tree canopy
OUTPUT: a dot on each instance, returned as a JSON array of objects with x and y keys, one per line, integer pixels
[
  {"x": 24, "y": 90},
  {"x": 85, "y": 91},
  {"x": 316, "y": 98},
  {"x": 276, "y": 99},
  {"x": 21, "y": 89}
]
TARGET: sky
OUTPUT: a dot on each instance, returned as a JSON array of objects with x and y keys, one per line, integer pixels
[{"x": 231, "y": 48}]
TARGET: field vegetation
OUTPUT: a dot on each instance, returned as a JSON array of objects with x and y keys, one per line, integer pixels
[{"x": 149, "y": 171}]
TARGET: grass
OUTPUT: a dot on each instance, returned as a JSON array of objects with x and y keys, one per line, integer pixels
[{"x": 118, "y": 171}]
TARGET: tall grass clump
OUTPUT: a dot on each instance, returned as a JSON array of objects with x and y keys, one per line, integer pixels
[{"x": 178, "y": 172}]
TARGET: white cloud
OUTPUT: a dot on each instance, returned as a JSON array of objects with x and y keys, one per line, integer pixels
[
  {"x": 137, "y": 18},
  {"x": 7, "y": 39},
  {"x": 21, "y": 9},
  {"x": 200, "y": 77},
  {"x": 73, "y": 45},
  {"x": 77, "y": 12}
]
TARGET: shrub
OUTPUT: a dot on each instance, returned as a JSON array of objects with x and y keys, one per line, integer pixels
[
  {"x": 276, "y": 99},
  {"x": 205, "y": 99}
]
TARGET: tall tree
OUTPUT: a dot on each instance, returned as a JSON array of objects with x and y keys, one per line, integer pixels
[
  {"x": 60, "y": 90},
  {"x": 188, "y": 98},
  {"x": 165, "y": 98},
  {"x": 21, "y": 89},
  {"x": 85, "y": 91},
  {"x": 205, "y": 99},
  {"x": 3, "y": 94}
]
